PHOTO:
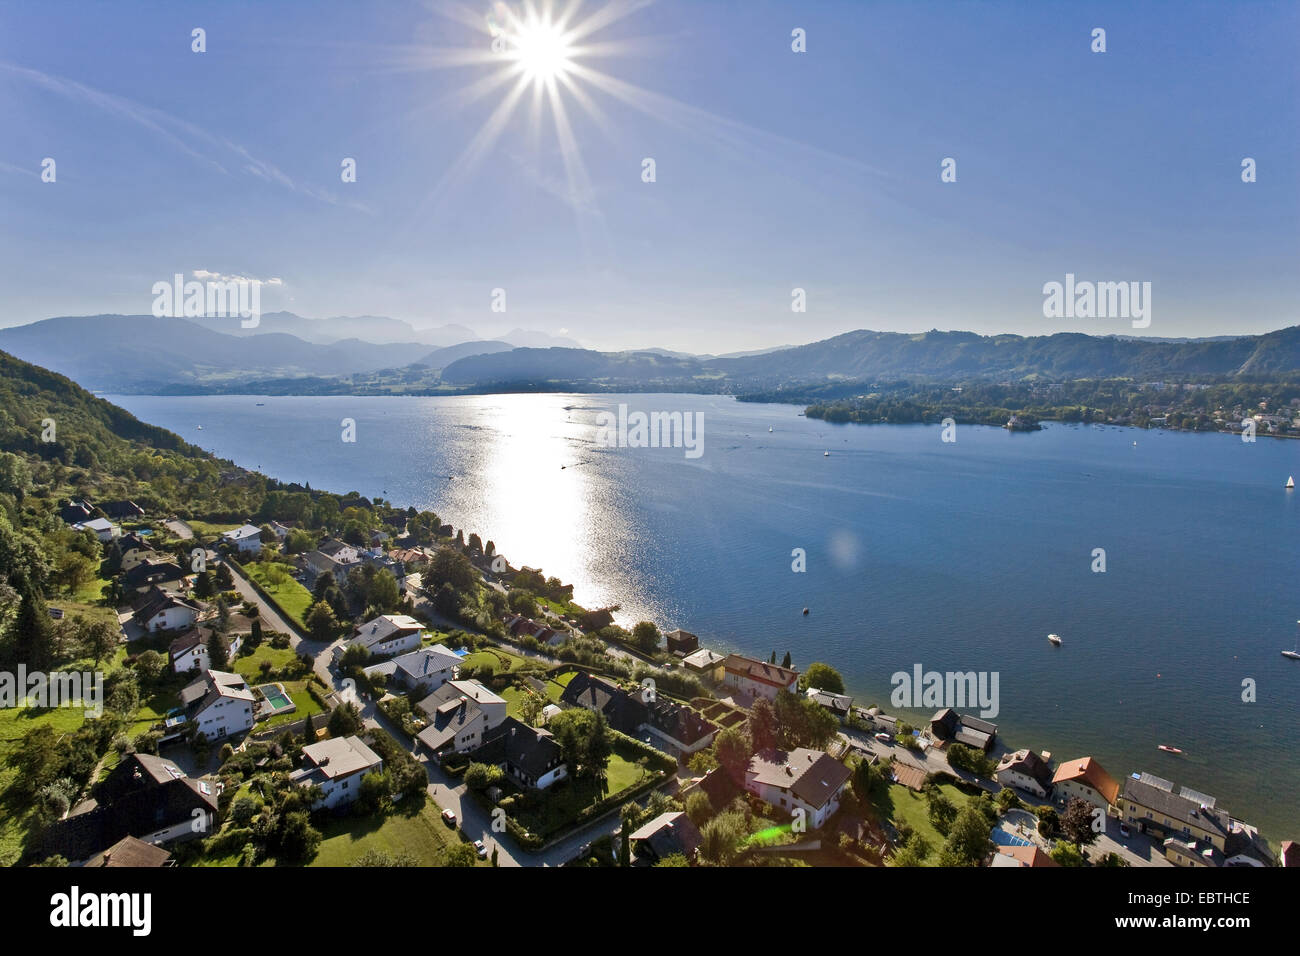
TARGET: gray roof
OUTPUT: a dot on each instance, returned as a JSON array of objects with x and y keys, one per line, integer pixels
[{"x": 1176, "y": 807}]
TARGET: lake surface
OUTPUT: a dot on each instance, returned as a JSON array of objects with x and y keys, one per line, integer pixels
[{"x": 957, "y": 556}]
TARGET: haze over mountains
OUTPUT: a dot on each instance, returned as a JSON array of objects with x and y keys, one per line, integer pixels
[{"x": 287, "y": 353}]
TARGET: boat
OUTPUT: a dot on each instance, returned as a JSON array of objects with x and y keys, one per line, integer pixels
[
  {"x": 260, "y": 404},
  {"x": 1055, "y": 639},
  {"x": 826, "y": 454},
  {"x": 1168, "y": 749},
  {"x": 1295, "y": 654},
  {"x": 199, "y": 427},
  {"x": 769, "y": 428},
  {"x": 1290, "y": 482}
]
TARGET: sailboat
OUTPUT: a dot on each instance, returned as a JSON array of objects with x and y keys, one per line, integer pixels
[
  {"x": 1290, "y": 482},
  {"x": 1055, "y": 639},
  {"x": 769, "y": 429},
  {"x": 1295, "y": 654}
]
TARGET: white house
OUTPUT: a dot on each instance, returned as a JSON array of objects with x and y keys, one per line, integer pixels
[
  {"x": 460, "y": 713},
  {"x": 386, "y": 635},
  {"x": 220, "y": 703},
  {"x": 1026, "y": 770},
  {"x": 757, "y": 678},
  {"x": 1086, "y": 779},
  {"x": 337, "y": 767},
  {"x": 189, "y": 652},
  {"x": 247, "y": 540},
  {"x": 421, "y": 671},
  {"x": 159, "y": 610},
  {"x": 103, "y": 529},
  {"x": 804, "y": 780}
]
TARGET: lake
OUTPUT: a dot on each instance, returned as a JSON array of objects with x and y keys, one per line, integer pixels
[{"x": 957, "y": 556}]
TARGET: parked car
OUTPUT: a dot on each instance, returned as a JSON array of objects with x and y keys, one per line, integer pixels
[
  {"x": 449, "y": 817},
  {"x": 1124, "y": 830},
  {"x": 480, "y": 849},
  {"x": 884, "y": 738}
]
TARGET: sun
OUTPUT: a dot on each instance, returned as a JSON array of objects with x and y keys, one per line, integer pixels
[{"x": 542, "y": 50}]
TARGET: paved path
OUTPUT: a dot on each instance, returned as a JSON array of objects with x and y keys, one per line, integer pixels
[{"x": 180, "y": 529}]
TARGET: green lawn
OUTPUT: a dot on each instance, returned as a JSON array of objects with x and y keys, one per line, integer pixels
[
  {"x": 304, "y": 706},
  {"x": 901, "y": 805},
  {"x": 565, "y": 800},
  {"x": 250, "y": 667},
  {"x": 514, "y": 696},
  {"x": 497, "y": 660},
  {"x": 206, "y": 529},
  {"x": 417, "y": 830},
  {"x": 291, "y": 598}
]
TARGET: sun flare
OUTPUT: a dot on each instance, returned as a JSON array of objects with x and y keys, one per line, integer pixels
[{"x": 542, "y": 50}]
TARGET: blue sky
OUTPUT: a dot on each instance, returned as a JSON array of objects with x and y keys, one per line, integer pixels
[{"x": 775, "y": 170}]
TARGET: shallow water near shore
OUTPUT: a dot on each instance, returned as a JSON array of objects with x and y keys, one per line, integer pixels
[{"x": 957, "y": 556}]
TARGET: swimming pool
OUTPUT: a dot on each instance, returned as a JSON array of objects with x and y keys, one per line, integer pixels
[
  {"x": 275, "y": 697},
  {"x": 1003, "y": 838}
]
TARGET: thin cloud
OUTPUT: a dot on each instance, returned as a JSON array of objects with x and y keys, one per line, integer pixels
[{"x": 185, "y": 136}]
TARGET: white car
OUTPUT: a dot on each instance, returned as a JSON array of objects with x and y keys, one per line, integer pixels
[
  {"x": 480, "y": 849},
  {"x": 449, "y": 817},
  {"x": 884, "y": 738}
]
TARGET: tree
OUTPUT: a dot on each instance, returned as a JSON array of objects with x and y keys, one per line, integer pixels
[
  {"x": 309, "y": 731},
  {"x": 255, "y": 637},
  {"x": 383, "y": 591},
  {"x": 446, "y": 601},
  {"x": 968, "y": 839},
  {"x": 344, "y": 720},
  {"x": 942, "y": 812},
  {"x": 733, "y": 749},
  {"x": 462, "y": 854},
  {"x": 205, "y": 585},
  {"x": 150, "y": 664},
  {"x": 1067, "y": 854},
  {"x": 823, "y": 677},
  {"x": 1049, "y": 822},
  {"x": 721, "y": 838},
  {"x": 785, "y": 661},
  {"x": 321, "y": 623},
  {"x": 585, "y": 740},
  {"x": 625, "y": 849},
  {"x": 763, "y": 728},
  {"x": 531, "y": 705},
  {"x": 912, "y": 854},
  {"x": 699, "y": 808},
  {"x": 1076, "y": 823},
  {"x": 646, "y": 636},
  {"x": 217, "y": 651},
  {"x": 297, "y": 840},
  {"x": 480, "y": 776},
  {"x": 98, "y": 638}
]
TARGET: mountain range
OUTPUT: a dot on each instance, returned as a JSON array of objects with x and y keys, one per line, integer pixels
[{"x": 287, "y": 353}]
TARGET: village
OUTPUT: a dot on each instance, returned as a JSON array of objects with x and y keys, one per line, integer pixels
[{"x": 331, "y": 699}]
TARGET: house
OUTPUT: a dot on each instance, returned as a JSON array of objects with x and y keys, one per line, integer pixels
[
  {"x": 802, "y": 779},
  {"x": 667, "y": 834},
  {"x": 130, "y": 550},
  {"x": 681, "y": 642},
  {"x": 190, "y": 652},
  {"x": 145, "y": 797},
  {"x": 706, "y": 664},
  {"x": 529, "y": 755},
  {"x": 129, "y": 851},
  {"x": 1018, "y": 856},
  {"x": 1086, "y": 779},
  {"x": 622, "y": 711},
  {"x": 460, "y": 713},
  {"x": 159, "y": 610},
  {"x": 1026, "y": 770},
  {"x": 246, "y": 539},
  {"x": 1198, "y": 830},
  {"x": 337, "y": 766},
  {"x": 385, "y": 635},
  {"x": 147, "y": 572},
  {"x": 121, "y": 510},
  {"x": 422, "y": 671},
  {"x": 76, "y": 511},
  {"x": 102, "y": 528},
  {"x": 334, "y": 558},
  {"x": 841, "y": 705},
  {"x": 281, "y": 531},
  {"x": 680, "y": 727},
  {"x": 947, "y": 726},
  {"x": 382, "y": 562},
  {"x": 756, "y": 678},
  {"x": 220, "y": 704}
]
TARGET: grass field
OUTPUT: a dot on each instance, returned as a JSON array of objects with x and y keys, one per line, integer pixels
[
  {"x": 417, "y": 830},
  {"x": 901, "y": 805},
  {"x": 497, "y": 660},
  {"x": 514, "y": 696},
  {"x": 206, "y": 529},
  {"x": 304, "y": 706},
  {"x": 290, "y": 597},
  {"x": 249, "y": 667}
]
